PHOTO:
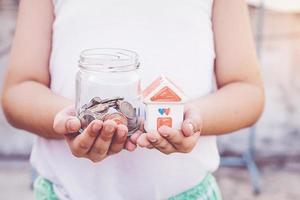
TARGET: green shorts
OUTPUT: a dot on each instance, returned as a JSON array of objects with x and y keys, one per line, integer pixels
[{"x": 205, "y": 190}]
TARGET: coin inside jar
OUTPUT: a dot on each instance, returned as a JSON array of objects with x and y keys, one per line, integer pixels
[
  {"x": 127, "y": 109},
  {"x": 113, "y": 100},
  {"x": 119, "y": 118},
  {"x": 86, "y": 119},
  {"x": 100, "y": 108},
  {"x": 95, "y": 100}
]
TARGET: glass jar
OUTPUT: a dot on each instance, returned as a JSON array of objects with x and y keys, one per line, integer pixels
[{"x": 111, "y": 76}]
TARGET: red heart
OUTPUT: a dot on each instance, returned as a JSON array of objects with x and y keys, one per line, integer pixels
[{"x": 167, "y": 111}]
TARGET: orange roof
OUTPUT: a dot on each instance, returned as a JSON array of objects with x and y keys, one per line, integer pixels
[
  {"x": 166, "y": 94},
  {"x": 163, "y": 90},
  {"x": 152, "y": 86}
]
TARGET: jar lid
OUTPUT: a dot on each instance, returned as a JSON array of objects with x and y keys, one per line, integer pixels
[{"x": 109, "y": 60}]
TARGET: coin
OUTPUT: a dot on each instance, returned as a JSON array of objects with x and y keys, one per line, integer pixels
[
  {"x": 119, "y": 118},
  {"x": 115, "y": 99},
  {"x": 132, "y": 130},
  {"x": 95, "y": 100},
  {"x": 82, "y": 108},
  {"x": 100, "y": 108},
  {"x": 86, "y": 119},
  {"x": 89, "y": 105},
  {"x": 133, "y": 125},
  {"x": 127, "y": 109}
]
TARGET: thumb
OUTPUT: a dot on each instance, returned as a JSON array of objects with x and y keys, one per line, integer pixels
[
  {"x": 66, "y": 122},
  {"x": 191, "y": 125}
]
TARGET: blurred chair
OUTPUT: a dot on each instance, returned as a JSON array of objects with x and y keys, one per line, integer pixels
[{"x": 247, "y": 158}]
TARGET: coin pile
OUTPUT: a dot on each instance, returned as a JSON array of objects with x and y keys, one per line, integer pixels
[{"x": 97, "y": 108}]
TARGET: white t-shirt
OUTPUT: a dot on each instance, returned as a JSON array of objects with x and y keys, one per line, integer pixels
[{"x": 172, "y": 37}]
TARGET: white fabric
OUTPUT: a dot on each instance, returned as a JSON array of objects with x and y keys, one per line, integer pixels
[
  {"x": 172, "y": 37},
  {"x": 278, "y": 5}
]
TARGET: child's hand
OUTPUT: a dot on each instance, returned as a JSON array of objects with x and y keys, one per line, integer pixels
[
  {"x": 169, "y": 140},
  {"x": 97, "y": 141}
]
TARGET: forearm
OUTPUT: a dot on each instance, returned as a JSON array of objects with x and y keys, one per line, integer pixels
[
  {"x": 32, "y": 106},
  {"x": 234, "y": 106}
]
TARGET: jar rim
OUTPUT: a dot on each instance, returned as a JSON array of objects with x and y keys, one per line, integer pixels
[{"x": 109, "y": 60}]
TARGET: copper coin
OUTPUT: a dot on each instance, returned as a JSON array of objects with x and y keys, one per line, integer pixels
[{"x": 119, "y": 118}]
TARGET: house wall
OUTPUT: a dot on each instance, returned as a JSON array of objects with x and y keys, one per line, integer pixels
[{"x": 152, "y": 113}]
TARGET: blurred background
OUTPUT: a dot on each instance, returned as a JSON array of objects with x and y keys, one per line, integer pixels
[{"x": 260, "y": 163}]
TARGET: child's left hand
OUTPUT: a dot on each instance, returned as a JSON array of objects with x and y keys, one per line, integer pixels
[{"x": 169, "y": 140}]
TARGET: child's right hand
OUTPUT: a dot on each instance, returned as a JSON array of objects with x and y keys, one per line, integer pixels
[{"x": 97, "y": 141}]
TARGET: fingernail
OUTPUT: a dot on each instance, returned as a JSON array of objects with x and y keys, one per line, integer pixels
[
  {"x": 165, "y": 135},
  {"x": 96, "y": 127}
]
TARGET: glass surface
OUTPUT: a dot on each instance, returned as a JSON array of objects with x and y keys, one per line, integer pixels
[{"x": 108, "y": 73}]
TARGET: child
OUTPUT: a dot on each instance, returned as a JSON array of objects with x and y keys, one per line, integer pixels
[{"x": 193, "y": 42}]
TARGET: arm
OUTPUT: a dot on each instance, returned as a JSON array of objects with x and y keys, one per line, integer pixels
[
  {"x": 29, "y": 104},
  {"x": 27, "y": 100},
  {"x": 239, "y": 100}
]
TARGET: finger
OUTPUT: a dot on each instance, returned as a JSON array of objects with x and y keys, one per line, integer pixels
[
  {"x": 66, "y": 122},
  {"x": 129, "y": 146},
  {"x": 82, "y": 143},
  {"x": 189, "y": 143},
  {"x": 160, "y": 143},
  {"x": 141, "y": 121},
  {"x": 192, "y": 123},
  {"x": 173, "y": 136},
  {"x": 102, "y": 143},
  {"x": 187, "y": 128},
  {"x": 142, "y": 141},
  {"x": 133, "y": 138},
  {"x": 178, "y": 140},
  {"x": 119, "y": 139}
]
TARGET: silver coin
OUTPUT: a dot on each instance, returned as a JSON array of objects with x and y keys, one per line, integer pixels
[
  {"x": 96, "y": 100},
  {"x": 101, "y": 115},
  {"x": 115, "y": 99},
  {"x": 127, "y": 109},
  {"x": 133, "y": 126},
  {"x": 111, "y": 104},
  {"x": 86, "y": 119},
  {"x": 99, "y": 108},
  {"x": 82, "y": 108},
  {"x": 133, "y": 130},
  {"x": 89, "y": 105}
]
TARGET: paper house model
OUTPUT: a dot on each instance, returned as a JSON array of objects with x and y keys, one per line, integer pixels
[{"x": 164, "y": 104}]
